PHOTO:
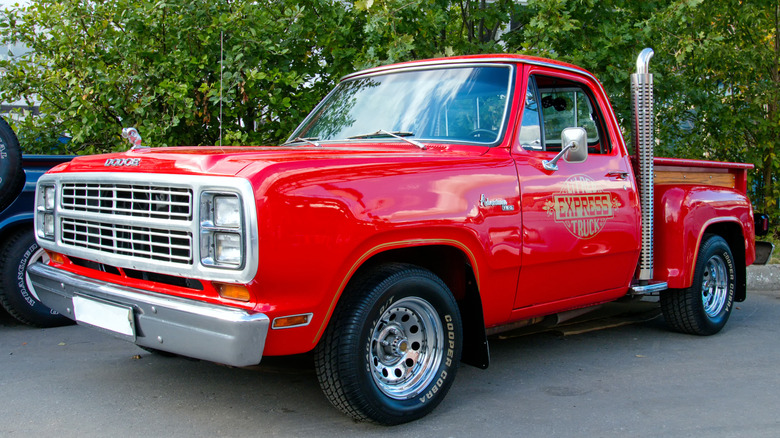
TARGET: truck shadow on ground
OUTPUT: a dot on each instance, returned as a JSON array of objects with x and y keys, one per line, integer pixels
[{"x": 285, "y": 391}]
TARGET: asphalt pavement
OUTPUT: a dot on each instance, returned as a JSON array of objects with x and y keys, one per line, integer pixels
[{"x": 620, "y": 376}]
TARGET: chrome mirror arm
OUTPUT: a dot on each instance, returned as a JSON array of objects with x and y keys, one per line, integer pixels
[{"x": 552, "y": 165}]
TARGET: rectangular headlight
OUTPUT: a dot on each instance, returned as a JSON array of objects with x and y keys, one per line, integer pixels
[
  {"x": 227, "y": 249},
  {"x": 227, "y": 211},
  {"x": 48, "y": 225},
  {"x": 48, "y": 198}
]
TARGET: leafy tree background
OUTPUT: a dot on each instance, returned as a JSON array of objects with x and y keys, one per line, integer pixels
[{"x": 99, "y": 66}]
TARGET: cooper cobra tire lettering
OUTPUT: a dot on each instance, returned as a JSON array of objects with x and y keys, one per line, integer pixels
[
  {"x": 705, "y": 307},
  {"x": 409, "y": 331}
]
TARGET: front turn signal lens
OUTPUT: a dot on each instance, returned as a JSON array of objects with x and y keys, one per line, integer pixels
[
  {"x": 56, "y": 257},
  {"x": 233, "y": 291},
  {"x": 292, "y": 321}
]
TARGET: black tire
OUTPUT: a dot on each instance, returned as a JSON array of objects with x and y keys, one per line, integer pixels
[
  {"x": 704, "y": 308},
  {"x": 16, "y": 293},
  {"x": 393, "y": 346},
  {"x": 158, "y": 352},
  {"x": 11, "y": 172}
]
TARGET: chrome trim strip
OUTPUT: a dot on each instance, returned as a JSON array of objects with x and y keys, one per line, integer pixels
[
  {"x": 468, "y": 62},
  {"x": 648, "y": 289},
  {"x": 199, "y": 184},
  {"x": 177, "y": 325}
]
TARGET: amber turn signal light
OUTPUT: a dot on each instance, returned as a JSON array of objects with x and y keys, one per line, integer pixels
[
  {"x": 233, "y": 291},
  {"x": 56, "y": 257},
  {"x": 292, "y": 321}
]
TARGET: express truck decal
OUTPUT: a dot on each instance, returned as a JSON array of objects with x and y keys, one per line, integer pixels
[{"x": 582, "y": 207}]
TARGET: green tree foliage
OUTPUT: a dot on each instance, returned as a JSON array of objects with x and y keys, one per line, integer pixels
[
  {"x": 725, "y": 55},
  {"x": 99, "y": 66},
  {"x": 716, "y": 71}
]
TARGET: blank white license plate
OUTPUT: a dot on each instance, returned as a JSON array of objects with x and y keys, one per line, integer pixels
[{"x": 118, "y": 319}]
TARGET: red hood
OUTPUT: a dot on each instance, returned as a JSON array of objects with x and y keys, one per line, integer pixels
[{"x": 230, "y": 161}]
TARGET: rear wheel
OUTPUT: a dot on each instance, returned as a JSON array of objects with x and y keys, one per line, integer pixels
[
  {"x": 17, "y": 295},
  {"x": 11, "y": 173},
  {"x": 705, "y": 307},
  {"x": 393, "y": 345}
]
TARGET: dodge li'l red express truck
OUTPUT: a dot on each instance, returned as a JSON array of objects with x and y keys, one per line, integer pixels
[{"x": 418, "y": 209}]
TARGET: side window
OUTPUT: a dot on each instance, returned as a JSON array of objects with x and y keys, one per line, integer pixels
[{"x": 564, "y": 104}]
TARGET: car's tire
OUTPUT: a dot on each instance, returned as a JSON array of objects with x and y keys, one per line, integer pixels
[
  {"x": 157, "y": 352},
  {"x": 11, "y": 172},
  {"x": 16, "y": 293},
  {"x": 392, "y": 348},
  {"x": 704, "y": 308}
]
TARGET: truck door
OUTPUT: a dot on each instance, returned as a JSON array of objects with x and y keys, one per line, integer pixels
[{"x": 580, "y": 225}]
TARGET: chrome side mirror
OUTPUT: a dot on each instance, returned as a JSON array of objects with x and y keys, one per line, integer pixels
[
  {"x": 579, "y": 138},
  {"x": 575, "y": 148}
]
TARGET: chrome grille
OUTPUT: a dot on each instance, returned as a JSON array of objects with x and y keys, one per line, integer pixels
[
  {"x": 141, "y": 242},
  {"x": 154, "y": 202},
  {"x": 146, "y": 222}
]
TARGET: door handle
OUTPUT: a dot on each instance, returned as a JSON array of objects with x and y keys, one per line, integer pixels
[{"x": 620, "y": 176}]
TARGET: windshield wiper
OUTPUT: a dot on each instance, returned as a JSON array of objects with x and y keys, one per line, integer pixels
[
  {"x": 401, "y": 135},
  {"x": 311, "y": 140}
]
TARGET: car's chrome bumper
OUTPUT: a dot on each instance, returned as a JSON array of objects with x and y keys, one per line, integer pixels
[{"x": 187, "y": 327}]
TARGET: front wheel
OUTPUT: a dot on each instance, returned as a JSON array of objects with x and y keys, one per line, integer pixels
[
  {"x": 704, "y": 308},
  {"x": 17, "y": 295},
  {"x": 393, "y": 345}
]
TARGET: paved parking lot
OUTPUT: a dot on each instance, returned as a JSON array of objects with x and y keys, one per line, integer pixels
[{"x": 634, "y": 380}]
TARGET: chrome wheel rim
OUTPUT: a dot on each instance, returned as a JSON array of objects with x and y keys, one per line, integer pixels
[
  {"x": 405, "y": 350},
  {"x": 714, "y": 288},
  {"x": 40, "y": 255}
]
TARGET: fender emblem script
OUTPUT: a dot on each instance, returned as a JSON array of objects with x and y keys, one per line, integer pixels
[
  {"x": 117, "y": 162},
  {"x": 485, "y": 202}
]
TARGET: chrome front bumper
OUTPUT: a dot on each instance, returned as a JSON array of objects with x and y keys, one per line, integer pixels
[{"x": 177, "y": 325}]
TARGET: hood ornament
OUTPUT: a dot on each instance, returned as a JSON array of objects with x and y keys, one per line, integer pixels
[{"x": 133, "y": 137}]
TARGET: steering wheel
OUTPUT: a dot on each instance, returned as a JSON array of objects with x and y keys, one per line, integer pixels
[{"x": 479, "y": 132}]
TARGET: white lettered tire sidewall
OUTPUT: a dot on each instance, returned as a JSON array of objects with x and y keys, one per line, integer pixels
[
  {"x": 427, "y": 397},
  {"x": 717, "y": 253},
  {"x": 704, "y": 307},
  {"x": 16, "y": 293},
  {"x": 392, "y": 347}
]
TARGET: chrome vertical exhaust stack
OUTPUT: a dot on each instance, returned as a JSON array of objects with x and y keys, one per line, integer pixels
[{"x": 643, "y": 138}]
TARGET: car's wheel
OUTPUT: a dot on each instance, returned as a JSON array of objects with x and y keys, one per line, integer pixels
[
  {"x": 392, "y": 347},
  {"x": 17, "y": 295},
  {"x": 704, "y": 308},
  {"x": 11, "y": 173}
]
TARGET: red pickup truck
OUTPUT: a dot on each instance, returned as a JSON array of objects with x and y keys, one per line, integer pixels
[{"x": 420, "y": 208}]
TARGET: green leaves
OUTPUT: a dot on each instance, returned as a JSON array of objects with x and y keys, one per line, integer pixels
[
  {"x": 165, "y": 67},
  {"x": 716, "y": 71}
]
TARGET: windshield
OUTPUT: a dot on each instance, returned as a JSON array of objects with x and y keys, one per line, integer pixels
[{"x": 461, "y": 104}]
